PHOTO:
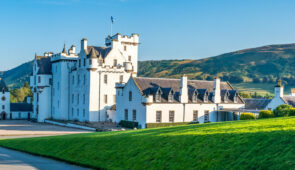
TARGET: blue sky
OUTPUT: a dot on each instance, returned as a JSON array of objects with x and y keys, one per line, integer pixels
[{"x": 169, "y": 29}]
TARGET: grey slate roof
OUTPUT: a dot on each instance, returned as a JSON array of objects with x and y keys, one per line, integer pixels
[
  {"x": 290, "y": 100},
  {"x": 256, "y": 104},
  {"x": 3, "y": 85},
  {"x": 21, "y": 107},
  {"x": 98, "y": 51},
  {"x": 44, "y": 64},
  {"x": 201, "y": 88}
]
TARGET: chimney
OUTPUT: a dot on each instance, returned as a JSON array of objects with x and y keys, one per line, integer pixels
[
  {"x": 183, "y": 90},
  {"x": 279, "y": 89},
  {"x": 216, "y": 90},
  {"x": 292, "y": 91},
  {"x": 84, "y": 44}
]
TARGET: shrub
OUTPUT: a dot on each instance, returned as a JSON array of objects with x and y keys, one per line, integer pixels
[
  {"x": 282, "y": 110},
  {"x": 128, "y": 124},
  {"x": 265, "y": 114},
  {"x": 247, "y": 116},
  {"x": 291, "y": 112}
]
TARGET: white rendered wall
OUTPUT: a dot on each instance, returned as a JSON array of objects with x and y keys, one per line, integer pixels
[{"x": 5, "y": 103}]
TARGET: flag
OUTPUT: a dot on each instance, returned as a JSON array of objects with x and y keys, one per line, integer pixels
[{"x": 112, "y": 19}]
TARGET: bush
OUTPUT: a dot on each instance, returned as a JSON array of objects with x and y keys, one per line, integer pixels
[
  {"x": 247, "y": 116},
  {"x": 291, "y": 112},
  {"x": 265, "y": 114},
  {"x": 128, "y": 124},
  {"x": 282, "y": 110},
  {"x": 155, "y": 125}
]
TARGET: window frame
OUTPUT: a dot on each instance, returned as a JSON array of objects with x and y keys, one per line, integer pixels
[
  {"x": 158, "y": 116},
  {"x": 171, "y": 116}
]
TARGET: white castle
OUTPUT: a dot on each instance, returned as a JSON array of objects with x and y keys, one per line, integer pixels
[{"x": 71, "y": 86}]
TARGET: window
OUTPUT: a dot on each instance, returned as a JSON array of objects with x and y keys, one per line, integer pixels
[
  {"x": 19, "y": 115},
  {"x": 73, "y": 98},
  {"x": 195, "y": 98},
  {"x": 105, "y": 79},
  {"x": 129, "y": 58},
  {"x": 159, "y": 116},
  {"x": 158, "y": 97},
  {"x": 84, "y": 62},
  {"x": 34, "y": 80},
  {"x": 73, "y": 80},
  {"x": 125, "y": 48},
  {"x": 206, "y": 116},
  {"x": 236, "y": 99},
  {"x": 3, "y": 98},
  {"x": 171, "y": 116},
  {"x": 100, "y": 62},
  {"x": 39, "y": 79},
  {"x": 114, "y": 99},
  {"x": 226, "y": 98},
  {"x": 79, "y": 61},
  {"x": 83, "y": 98},
  {"x": 3, "y": 107},
  {"x": 130, "y": 95},
  {"x": 50, "y": 81},
  {"x": 84, "y": 79},
  {"x": 195, "y": 115},
  {"x": 83, "y": 112},
  {"x": 115, "y": 63},
  {"x": 206, "y": 98},
  {"x": 72, "y": 111},
  {"x": 37, "y": 97},
  {"x": 77, "y": 112},
  {"x": 126, "y": 114},
  {"x": 121, "y": 78},
  {"x": 78, "y": 79},
  {"x": 170, "y": 97},
  {"x": 105, "y": 99},
  {"x": 134, "y": 115},
  {"x": 78, "y": 96}
]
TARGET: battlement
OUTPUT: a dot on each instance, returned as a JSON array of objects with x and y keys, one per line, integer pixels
[{"x": 123, "y": 39}]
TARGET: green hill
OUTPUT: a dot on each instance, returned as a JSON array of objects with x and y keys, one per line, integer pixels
[
  {"x": 256, "y": 144},
  {"x": 255, "y": 65}
]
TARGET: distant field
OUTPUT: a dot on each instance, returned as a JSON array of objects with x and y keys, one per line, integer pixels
[
  {"x": 256, "y": 144},
  {"x": 261, "y": 88}
]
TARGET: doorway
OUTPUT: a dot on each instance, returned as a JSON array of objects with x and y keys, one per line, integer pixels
[{"x": 3, "y": 116}]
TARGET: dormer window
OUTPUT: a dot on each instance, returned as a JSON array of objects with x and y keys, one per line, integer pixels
[
  {"x": 195, "y": 97},
  {"x": 170, "y": 97},
  {"x": 158, "y": 97},
  {"x": 236, "y": 98},
  {"x": 226, "y": 98},
  {"x": 100, "y": 62},
  {"x": 206, "y": 98}
]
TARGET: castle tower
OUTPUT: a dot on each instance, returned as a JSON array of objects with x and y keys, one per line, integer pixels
[{"x": 4, "y": 101}]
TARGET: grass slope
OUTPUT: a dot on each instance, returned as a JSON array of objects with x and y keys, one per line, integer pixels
[{"x": 259, "y": 144}]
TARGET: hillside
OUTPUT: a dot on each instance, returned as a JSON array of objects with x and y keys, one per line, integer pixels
[
  {"x": 256, "y": 144},
  {"x": 256, "y": 65},
  {"x": 259, "y": 65},
  {"x": 16, "y": 77}
]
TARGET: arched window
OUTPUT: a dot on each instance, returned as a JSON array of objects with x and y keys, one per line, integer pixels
[{"x": 130, "y": 95}]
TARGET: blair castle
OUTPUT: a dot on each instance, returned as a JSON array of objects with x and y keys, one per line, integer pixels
[{"x": 100, "y": 84}]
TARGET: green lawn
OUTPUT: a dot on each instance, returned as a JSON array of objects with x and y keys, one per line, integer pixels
[{"x": 256, "y": 144}]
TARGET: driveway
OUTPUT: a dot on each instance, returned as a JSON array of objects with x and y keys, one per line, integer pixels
[
  {"x": 23, "y": 128},
  {"x": 10, "y": 159}
]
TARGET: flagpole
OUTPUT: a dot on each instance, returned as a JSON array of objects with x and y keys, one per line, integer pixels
[{"x": 111, "y": 27}]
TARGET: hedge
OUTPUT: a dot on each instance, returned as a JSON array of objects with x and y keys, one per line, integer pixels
[
  {"x": 292, "y": 112},
  {"x": 155, "y": 125},
  {"x": 128, "y": 124},
  {"x": 247, "y": 116},
  {"x": 282, "y": 110},
  {"x": 265, "y": 114}
]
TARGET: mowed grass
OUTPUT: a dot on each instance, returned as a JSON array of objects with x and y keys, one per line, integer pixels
[{"x": 256, "y": 144}]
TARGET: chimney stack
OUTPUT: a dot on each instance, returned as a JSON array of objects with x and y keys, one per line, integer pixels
[
  {"x": 292, "y": 91},
  {"x": 84, "y": 44},
  {"x": 216, "y": 90},
  {"x": 279, "y": 89},
  {"x": 183, "y": 90}
]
